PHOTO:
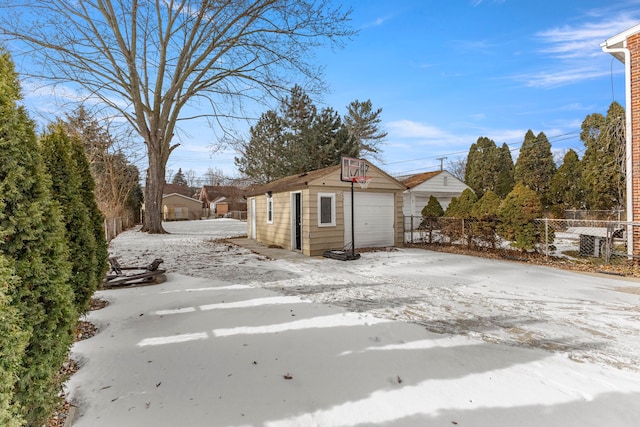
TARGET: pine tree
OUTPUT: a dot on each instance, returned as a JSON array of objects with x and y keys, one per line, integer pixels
[
  {"x": 566, "y": 190},
  {"x": 57, "y": 151},
  {"x": 264, "y": 157},
  {"x": 517, "y": 214},
  {"x": 363, "y": 124},
  {"x": 329, "y": 142},
  {"x": 179, "y": 178},
  {"x": 535, "y": 166},
  {"x": 297, "y": 139},
  {"x": 32, "y": 238}
]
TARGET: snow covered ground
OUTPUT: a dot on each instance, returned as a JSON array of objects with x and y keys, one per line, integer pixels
[{"x": 397, "y": 338}]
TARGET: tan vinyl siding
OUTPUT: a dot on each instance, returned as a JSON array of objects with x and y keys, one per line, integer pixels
[
  {"x": 279, "y": 232},
  {"x": 324, "y": 238},
  {"x": 315, "y": 240}
]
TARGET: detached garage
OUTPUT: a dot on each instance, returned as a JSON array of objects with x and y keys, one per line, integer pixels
[{"x": 311, "y": 212}]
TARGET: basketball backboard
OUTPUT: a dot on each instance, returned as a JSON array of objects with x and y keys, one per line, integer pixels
[{"x": 352, "y": 168}]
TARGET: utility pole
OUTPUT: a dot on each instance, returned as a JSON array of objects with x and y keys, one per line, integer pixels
[{"x": 441, "y": 160}]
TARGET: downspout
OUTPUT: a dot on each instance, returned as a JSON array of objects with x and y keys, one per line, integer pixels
[{"x": 628, "y": 136}]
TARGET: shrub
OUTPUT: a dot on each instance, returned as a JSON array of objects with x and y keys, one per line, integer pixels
[
  {"x": 32, "y": 239},
  {"x": 461, "y": 208},
  {"x": 517, "y": 215},
  {"x": 485, "y": 214},
  {"x": 431, "y": 212}
]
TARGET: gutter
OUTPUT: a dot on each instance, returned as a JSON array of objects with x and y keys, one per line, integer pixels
[{"x": 628, "y": 133}]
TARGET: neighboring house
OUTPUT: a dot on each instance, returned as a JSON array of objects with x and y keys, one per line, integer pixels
[
  {"x": 178, "y": 189},
  {"x": 179, "y": 207},
  {"x": 221, "y": 200},
  {"x": 311, "y": 212},
  {"x": 625, "y": 46},
  {"x": 440, "y": 184}
]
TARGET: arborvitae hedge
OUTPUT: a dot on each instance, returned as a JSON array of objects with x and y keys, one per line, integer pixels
[
  {"x": 57, "y": 152},
  {"x": 33, "y": 240},
  {"x": 97, "y": 220},
  {"x": 13, "y": 340}
]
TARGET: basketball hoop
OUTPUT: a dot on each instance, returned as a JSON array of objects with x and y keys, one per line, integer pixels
[{"x": 363, "y": 181}]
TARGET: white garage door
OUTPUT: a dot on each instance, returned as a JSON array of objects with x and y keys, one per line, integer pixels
[{"x": 374, "y": 214}]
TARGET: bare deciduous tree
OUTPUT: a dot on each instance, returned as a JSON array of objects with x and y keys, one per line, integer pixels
[
  {"x": 149, "y": 60},
  {"x": 457, "y": 167},
  {"x": 109, "y": 157}
]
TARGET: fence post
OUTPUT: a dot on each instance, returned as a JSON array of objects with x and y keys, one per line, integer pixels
[
  {"x": 546, "y": 238},
  {"x": 608, "y": 244}
]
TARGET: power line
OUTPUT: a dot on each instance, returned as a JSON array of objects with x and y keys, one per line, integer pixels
[{"x": 555, "y": 138}]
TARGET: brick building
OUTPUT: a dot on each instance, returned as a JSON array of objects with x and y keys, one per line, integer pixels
[{"x": 626, "y": 47}]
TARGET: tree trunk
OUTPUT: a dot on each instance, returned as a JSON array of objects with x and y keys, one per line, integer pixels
[{"x": 153, "y": 194}]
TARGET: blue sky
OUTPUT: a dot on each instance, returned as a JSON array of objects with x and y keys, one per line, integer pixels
[{"x": 447, "y": 72}]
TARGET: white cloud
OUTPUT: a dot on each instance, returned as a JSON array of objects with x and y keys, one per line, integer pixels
[
  {"x": 563, "y": 76},
  {"x": 411, "y": 129},
  {"x": 577, "y": 47},
  {"x": 584, "y": 40}
]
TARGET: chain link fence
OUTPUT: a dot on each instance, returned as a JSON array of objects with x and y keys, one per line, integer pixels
[{"x": 572, "y": 240}]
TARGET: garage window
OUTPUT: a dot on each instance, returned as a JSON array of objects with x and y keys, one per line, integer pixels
[{"x": 326, "y": 210}]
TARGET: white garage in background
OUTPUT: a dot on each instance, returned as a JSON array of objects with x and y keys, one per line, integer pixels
[
  {"x": 374, "y": 219},
  {"x": 420, "y": 187}
]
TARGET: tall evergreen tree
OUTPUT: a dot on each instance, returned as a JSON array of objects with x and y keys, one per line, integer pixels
[
  {"x": 32, "y": 237},
  {"x": 483, "y": 166},
  {"x": 504, "y": 180},
  {"x": 566, "y": 191},
  {"x": 603, "y": 164},
  {"x": 263, "y": 157},
  {"x": 57, "y": 151},
  {"x": 87, "y": 193},
  {"x": 535, "y": 166},
  {"x": 319, "y": 144},
  {"x": 297, "y": 139},
  {"x": 363, "y": 124},
  {"x": 179, "y": 178},
  {"x": 330, "y": 141},
  {"x": 13, "y": 340}
]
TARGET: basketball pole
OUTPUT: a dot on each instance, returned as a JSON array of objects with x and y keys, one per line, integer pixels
[{"x": 353, "y": 231}]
